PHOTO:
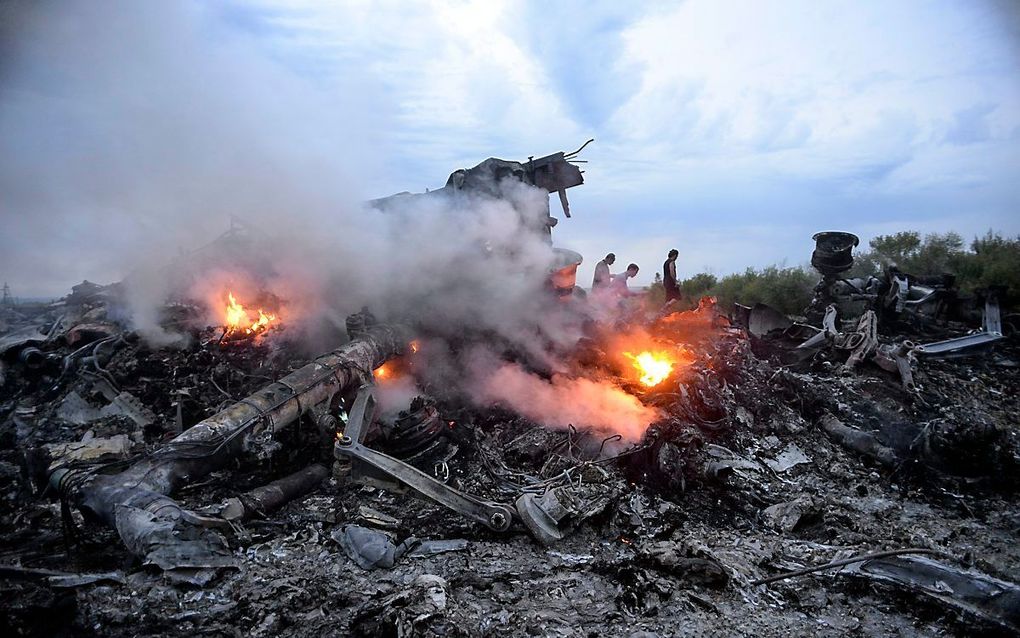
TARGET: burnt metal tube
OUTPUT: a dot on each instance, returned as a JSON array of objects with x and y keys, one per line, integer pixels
[
  {"x": 858, "y": 440},
  {"x": 275, "y": 495},
  {"x": 212, "y": 443}
]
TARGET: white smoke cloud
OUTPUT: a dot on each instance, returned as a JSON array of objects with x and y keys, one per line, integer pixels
[
  {"x": 563, "y": 401},
  {"x": 148, "y": 127},
  {"x": 132, "y": 131}
]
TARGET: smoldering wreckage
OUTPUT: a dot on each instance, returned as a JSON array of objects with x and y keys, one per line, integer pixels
[{"x": 717, "y": 472}]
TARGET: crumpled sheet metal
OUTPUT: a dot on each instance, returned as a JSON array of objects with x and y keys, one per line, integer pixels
[
  {"x": 29, "y": 336},
  {"x": 764, "y": 319},
  {"x": 185, "y": 552},
  {"x": 994, "y": 600},
  {"x": 75, "y": 409},
  {"x": 785, "y": 517},
  {"x": 552, "y": 515},
  {"x": 791, "y": 456}
]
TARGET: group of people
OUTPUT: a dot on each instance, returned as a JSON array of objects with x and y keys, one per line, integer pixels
[{"x": 605, "y": 282}]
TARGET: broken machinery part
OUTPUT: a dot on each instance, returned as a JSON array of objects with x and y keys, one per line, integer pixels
[
  {"x": 365, "y": 461},
  {"x": 135, "y": 500}
]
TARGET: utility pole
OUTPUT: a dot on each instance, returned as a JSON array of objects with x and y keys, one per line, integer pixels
[{"x": 7, "y": 299}]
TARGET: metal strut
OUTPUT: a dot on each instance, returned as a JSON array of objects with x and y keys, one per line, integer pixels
[{"x": 495, "y": 516}]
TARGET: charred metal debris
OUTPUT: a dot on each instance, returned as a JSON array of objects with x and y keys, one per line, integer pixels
[{"x": 851, "y": 471}]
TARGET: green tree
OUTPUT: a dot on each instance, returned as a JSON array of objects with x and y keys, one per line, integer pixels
[
  {"x": 697, "y": 286},
  {"x": 896, "y": 249},
  {"x": 935, "y": 254},
  {"x": 992, "y": 260}
]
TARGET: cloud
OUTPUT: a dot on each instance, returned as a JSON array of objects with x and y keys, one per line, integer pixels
[
  {"x": 970, "y": 125},
  {"x": 578, "y": 45},
  {"x": 460, "y": 87}
]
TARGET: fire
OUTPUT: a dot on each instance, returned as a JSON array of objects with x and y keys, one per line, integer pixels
[
  {"x": 653, "y": 366},
  {"x": 235, "y": 313},
  {"x": 382, "y": 372},
  {"x": 414, "y": 346},
  {"x": 238, "y": 321},
  {"x": 263, "y": 322}
]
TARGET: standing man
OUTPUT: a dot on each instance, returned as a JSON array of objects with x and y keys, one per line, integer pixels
[
  {"x": 602, "y": 276},
  {"x": 669, "y": 276}
]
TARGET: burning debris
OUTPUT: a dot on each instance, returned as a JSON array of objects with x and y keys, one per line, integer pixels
[
  {"x": 674, "y": 470},
  {"x": 653, "y": 367},
  {"x": 241, "y": 324}
]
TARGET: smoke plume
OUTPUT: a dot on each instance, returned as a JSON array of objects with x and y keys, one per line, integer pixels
[
  {"x": 564, "y": 401},
  {"x": 133, "y": 133}
]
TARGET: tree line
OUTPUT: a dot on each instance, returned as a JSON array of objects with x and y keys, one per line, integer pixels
[{"x": 989, "y": 260}]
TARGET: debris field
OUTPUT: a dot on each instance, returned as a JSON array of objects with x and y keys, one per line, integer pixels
[{"x": 851, "y": 472}]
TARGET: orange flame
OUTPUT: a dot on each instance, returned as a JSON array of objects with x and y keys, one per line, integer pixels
[
  {"x": 235, "y": 313},
  {"x": 654, "y": 367},
  {"x": 237, "y": 319},
  {"x": 263, "y": 322}
]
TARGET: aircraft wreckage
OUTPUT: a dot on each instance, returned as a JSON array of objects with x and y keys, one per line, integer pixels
[{"x": 850, "y": 471}]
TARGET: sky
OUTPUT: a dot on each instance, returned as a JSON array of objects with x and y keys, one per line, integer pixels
[{"x": 731, "y": 131}]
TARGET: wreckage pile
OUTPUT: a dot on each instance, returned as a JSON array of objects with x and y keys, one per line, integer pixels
[{"x": 777, "y": 446}]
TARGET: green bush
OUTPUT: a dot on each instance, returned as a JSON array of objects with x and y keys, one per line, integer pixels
[
  {"x": 691, "y": 290},
  {"x": 992, "y": 260},
  {"x": 656, "y": 295},
  {"x": 698, "y": 286},
  {"x": 789, "y": 290}
]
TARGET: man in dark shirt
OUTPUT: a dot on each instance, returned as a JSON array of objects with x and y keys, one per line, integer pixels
[
  {"x": 669, "y": 276},
  {"x": 602, "y": 276}
]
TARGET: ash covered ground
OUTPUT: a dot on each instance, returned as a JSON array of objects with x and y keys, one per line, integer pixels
[{"x": 743, "y": 476}]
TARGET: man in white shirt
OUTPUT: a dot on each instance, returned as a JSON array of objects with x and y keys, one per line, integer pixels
[{"x": 619, "y": 285}]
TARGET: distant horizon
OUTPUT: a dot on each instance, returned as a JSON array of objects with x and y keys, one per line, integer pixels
[{"x": 642, "y": 280}]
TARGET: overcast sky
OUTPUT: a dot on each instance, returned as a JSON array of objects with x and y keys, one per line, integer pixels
[{"x": 730, "y": 130}]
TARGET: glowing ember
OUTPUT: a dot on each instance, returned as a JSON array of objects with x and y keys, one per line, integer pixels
[
  {"x": 238, "y": 321},
  {"x": 382, "y": 372},
  {"x": 414, "y": 346},
  {"x": 653, "y": 366}
]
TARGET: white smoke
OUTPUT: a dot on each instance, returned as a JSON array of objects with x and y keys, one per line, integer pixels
[
  {"x": 563, "y": 401},
  {"x": 132, "y": 132}
]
